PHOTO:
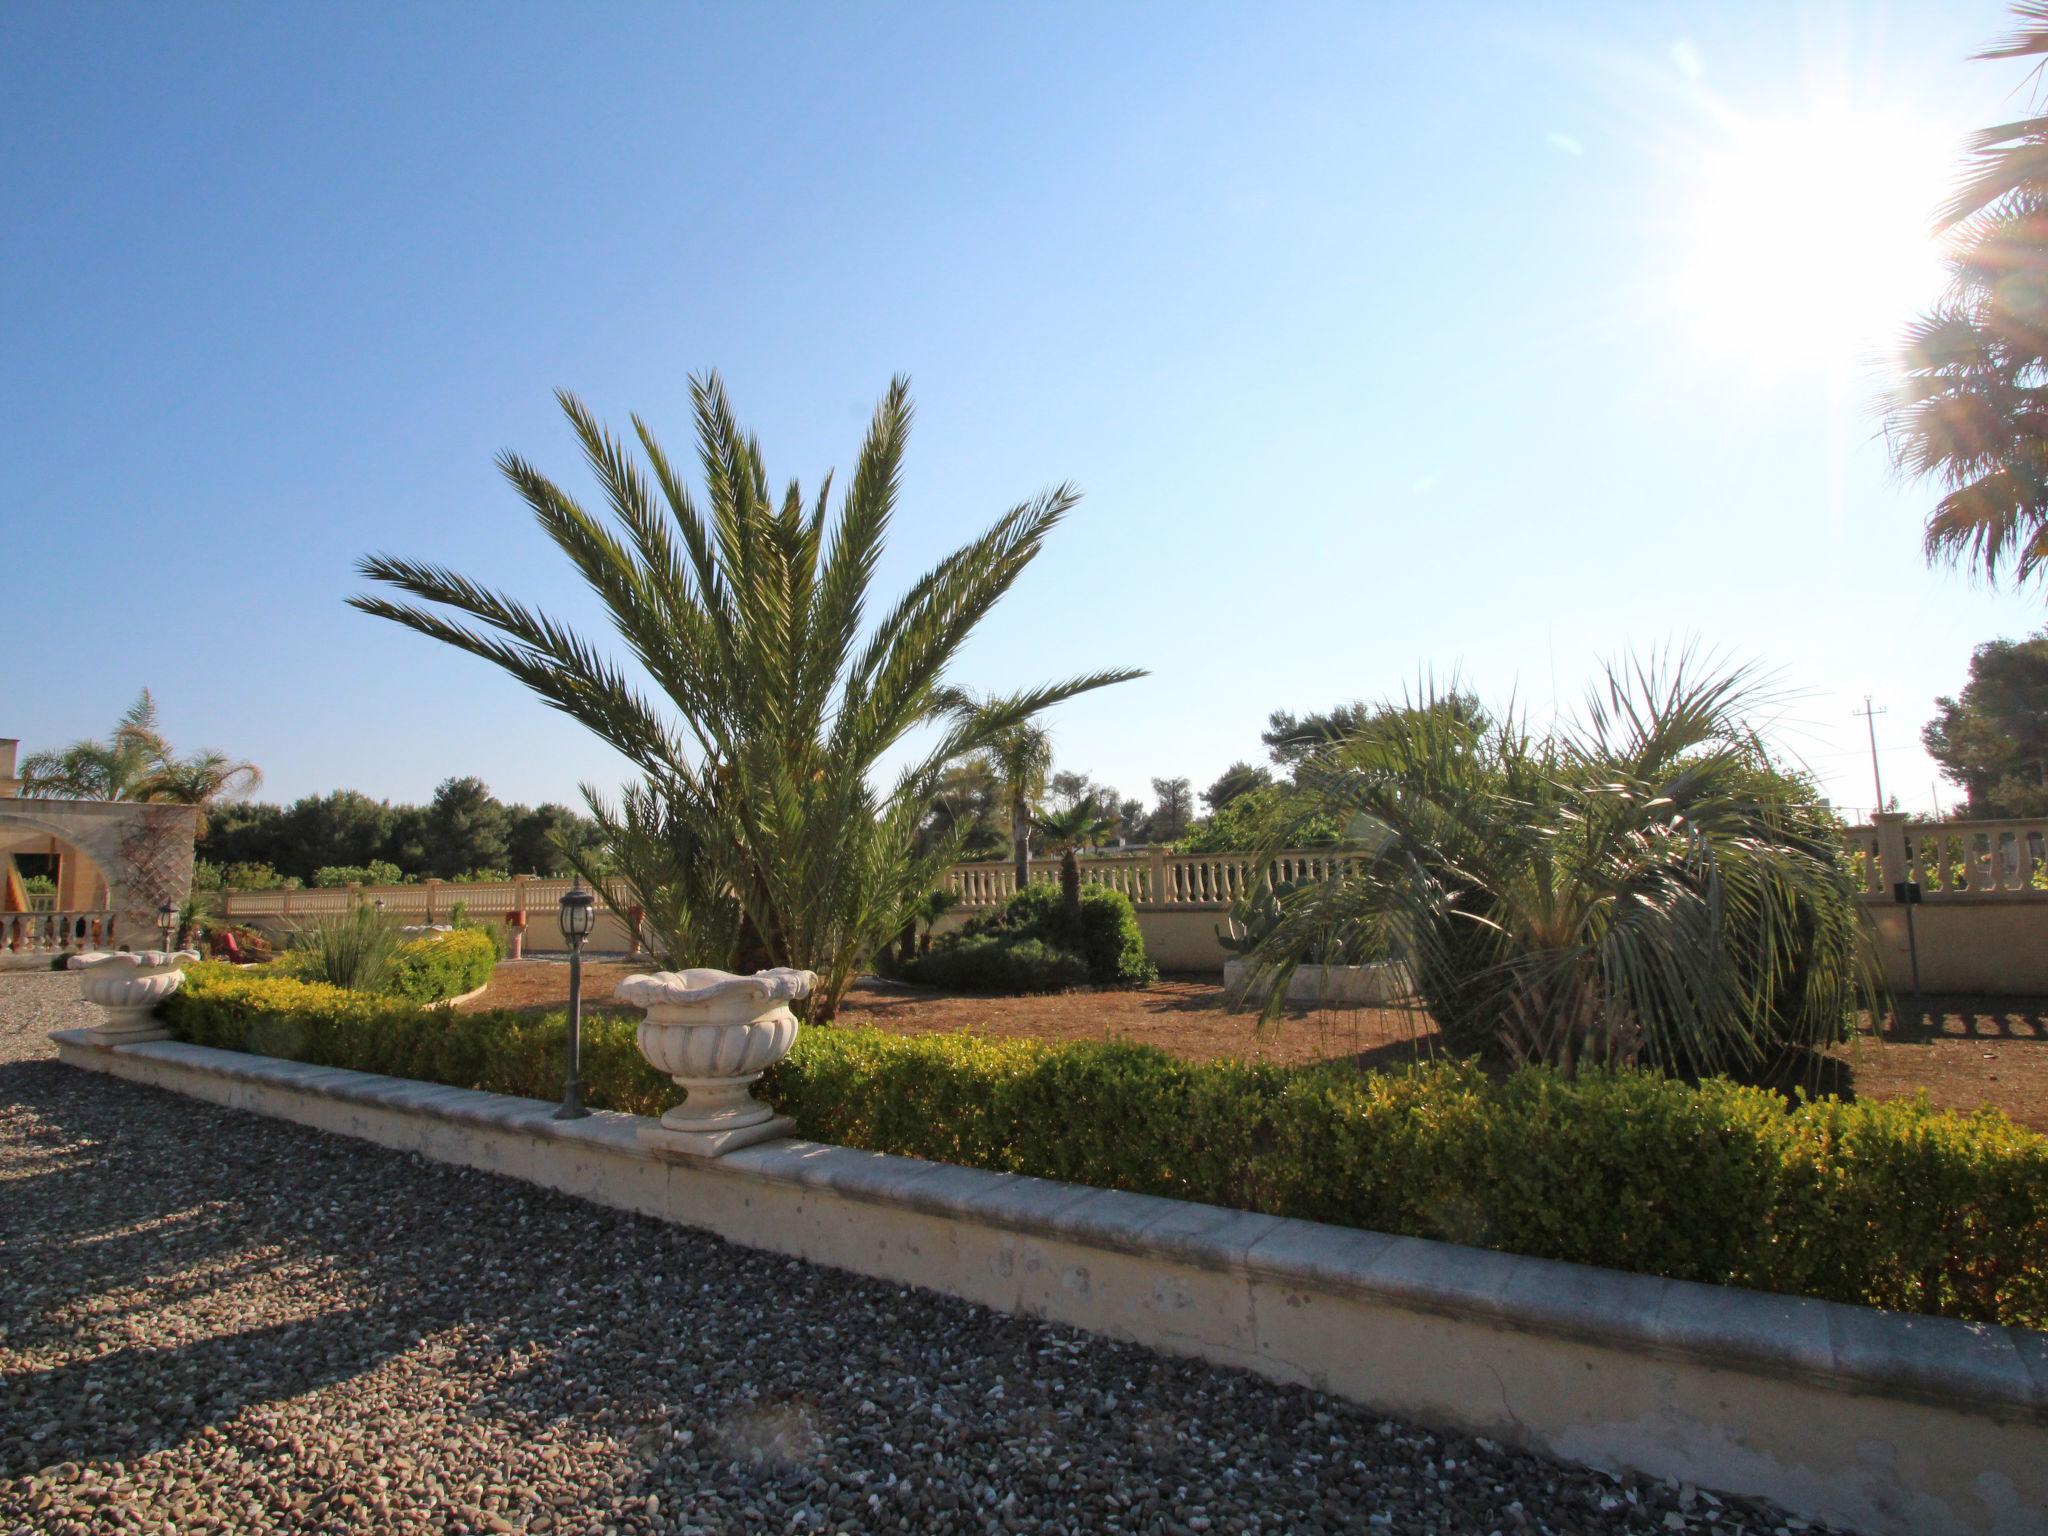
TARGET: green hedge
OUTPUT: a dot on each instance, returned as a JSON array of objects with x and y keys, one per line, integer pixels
[
  {"x": 999, "y": 963},
  {"x": 1887, "y": 1204},
  {"x": 1032, "y": 943},
  {"x": 442, "y": 965},
  {"x": 426, "y": 970}
]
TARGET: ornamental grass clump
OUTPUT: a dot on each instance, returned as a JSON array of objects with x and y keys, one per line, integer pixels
[
  {"x": 354, "y": 948},
  {"x": 763, "y": 831}
]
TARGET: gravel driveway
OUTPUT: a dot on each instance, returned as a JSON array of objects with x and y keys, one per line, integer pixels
[{"x": 215, "y": 1322}]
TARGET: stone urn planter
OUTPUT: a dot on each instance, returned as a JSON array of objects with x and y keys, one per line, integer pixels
[
  {"x": 715, "y": 1033},
  {"x": 127, "y": 986}
]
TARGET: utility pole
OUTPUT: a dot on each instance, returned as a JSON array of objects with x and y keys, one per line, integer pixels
[{"x": 1870, "y": 722}]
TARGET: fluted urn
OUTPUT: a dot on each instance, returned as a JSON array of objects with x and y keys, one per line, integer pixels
[
  {"x": 715, "y": 1033},
  {"x": 126, "y": 986}
]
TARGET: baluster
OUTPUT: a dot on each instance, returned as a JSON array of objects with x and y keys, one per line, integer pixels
[{"x": 1922, "y": 871}]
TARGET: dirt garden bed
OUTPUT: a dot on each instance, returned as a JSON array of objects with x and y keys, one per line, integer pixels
[{"x": 1966, "y": 1053}]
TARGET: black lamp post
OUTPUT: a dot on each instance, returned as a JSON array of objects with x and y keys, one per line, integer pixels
[
  {"x": 167, "y": 923},
  {"x": 579, "y": 916}
]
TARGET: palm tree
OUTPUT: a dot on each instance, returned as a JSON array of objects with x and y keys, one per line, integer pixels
[
  {"x": 1971, "y": 407},
  {"x": 1640, "y": 888},
  {"x": 1020, "y": 758},
  {"x": 1081, "y": 825},
  {"x": 137, "y": 763},
  {"x": 758, "y": 810}
]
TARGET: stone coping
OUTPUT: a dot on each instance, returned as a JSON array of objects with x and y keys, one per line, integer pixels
[{"x": 1980, "y": 1367}]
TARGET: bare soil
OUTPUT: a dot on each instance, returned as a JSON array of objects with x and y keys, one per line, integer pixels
[{"x": 1966, "y": 1053}]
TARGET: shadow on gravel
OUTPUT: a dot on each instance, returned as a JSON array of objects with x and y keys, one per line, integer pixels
[{"x": 66, "y": 1411}]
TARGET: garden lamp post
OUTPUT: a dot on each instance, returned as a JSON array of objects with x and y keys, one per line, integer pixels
[
  {"x": 167, "y": 923},
  {"x": 579, "y": 916}
]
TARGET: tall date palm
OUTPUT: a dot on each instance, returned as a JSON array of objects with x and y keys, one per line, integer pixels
[{"x": 759, "y": 826}]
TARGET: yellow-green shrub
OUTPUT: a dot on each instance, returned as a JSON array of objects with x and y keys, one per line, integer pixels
[
  {"x": 423, "y": 970},
  {"x": 1886, "y": 1204}
]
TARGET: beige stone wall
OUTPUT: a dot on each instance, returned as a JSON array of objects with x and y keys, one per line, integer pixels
[{"x": 1993, "y": 945}]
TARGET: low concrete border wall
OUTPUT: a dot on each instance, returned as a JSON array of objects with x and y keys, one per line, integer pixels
[{"x": 1887, "y": 1423}]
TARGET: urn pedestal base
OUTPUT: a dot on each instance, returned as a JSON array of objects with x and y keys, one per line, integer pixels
[
  {"x": 134, "y": 1031},
  {"x": 674, "y": 1142}
]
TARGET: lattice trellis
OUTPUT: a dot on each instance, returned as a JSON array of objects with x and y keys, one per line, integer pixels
[{"x": 156, "y": 852}]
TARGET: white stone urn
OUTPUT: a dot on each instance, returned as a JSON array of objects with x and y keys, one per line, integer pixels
[
  {"x": 715, "y": 1033},
  {"x": 127, "y": 986}
]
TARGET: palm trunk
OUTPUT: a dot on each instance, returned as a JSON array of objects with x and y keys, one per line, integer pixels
[
  {"x": 1020, "y": 837},
  {"x": 1070, "y": 884}
]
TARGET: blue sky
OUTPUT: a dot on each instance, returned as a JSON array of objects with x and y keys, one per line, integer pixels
[{"x": 1382, "y": 339}]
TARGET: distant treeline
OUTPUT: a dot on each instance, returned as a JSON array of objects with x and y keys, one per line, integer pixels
[{"x": 464, "y": 832}]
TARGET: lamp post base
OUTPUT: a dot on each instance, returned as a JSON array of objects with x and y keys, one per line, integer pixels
[{"x": 670, "y": 1142}]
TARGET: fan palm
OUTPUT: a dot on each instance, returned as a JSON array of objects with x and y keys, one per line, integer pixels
[
  {"x": 1067, "y": 831},
  {"x": 1020, "y": 758},
  {"x": 1634, "y": 890},
  {"x": 1971, "y": 407},
  {"x": 758, "y": 828}
]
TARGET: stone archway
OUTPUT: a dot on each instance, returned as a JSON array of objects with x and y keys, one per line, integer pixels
[{"x": 143, "y": 853}]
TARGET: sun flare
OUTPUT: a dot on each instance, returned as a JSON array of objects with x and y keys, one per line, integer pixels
[{"x": 1808, "y": 240}]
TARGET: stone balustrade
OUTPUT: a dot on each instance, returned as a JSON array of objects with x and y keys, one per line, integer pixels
[
  {"x": 1952, "y": 860},
  {"x": 56, "y": 933},
  {"x": 1949, "y": 859}
]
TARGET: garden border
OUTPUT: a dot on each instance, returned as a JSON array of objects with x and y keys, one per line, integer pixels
[{"x": 1885, "y": 1422}]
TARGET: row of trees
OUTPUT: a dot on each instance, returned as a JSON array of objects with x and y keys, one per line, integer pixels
[{"x": 464, "y": 832}]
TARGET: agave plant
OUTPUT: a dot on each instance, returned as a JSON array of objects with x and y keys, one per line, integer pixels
[
  {"x": 1640, "y": 888},
  {"x": 758, "y": 831}
]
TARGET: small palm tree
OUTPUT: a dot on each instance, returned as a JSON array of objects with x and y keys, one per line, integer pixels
[
  {"x": 1083, "y": 824},
  {"x": 137, "y": 763},
  {"x": 1971, "y": 409},
  {"x": 1638, "y": 889},
  {"x": 1020, "y": 758},
  {"x": 759, "y": 828}
]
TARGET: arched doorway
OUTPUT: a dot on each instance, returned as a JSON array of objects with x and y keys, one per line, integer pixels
[{"x": 78, "y": 875}]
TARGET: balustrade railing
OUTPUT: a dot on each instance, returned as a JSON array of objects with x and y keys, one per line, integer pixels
[
  {"x": 55, "y": 933},
  {"x": 429, "y": 901},
  {"x": 1952, "y": 859},
  {"x": 1152, "y": 877},
  {"x": 1949, "y": 859}
]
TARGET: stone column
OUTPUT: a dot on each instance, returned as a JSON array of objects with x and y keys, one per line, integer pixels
[{"x": 1893, "y": 864}]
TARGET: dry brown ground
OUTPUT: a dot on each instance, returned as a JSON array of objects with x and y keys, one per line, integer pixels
[{"x": 1966, "y": 1052}]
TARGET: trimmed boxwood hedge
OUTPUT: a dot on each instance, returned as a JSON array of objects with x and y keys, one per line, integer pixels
[{"x": 1886, "y": 1204}]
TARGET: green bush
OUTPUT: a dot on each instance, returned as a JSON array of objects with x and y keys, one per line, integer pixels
[
  {"x": 989, "y": 962},
  {"x": 1883, "y": 1204},
  {"x": 498, "y": 1051},
  {"x": 1107, "y": 941},
  {"x": 442, "y": 965},
  {"x": 350, "y": 953}
]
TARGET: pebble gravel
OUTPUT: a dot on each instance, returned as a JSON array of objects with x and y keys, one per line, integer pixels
[{"x": 212, "y": 1321}]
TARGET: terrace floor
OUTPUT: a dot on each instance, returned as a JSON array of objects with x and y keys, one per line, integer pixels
[
  {"x": 217, "y": 1322},
  {"x": 1966, "y": 1053}
]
